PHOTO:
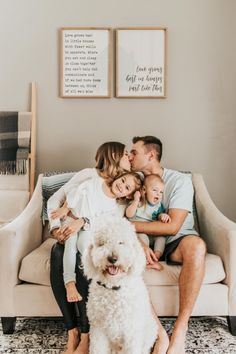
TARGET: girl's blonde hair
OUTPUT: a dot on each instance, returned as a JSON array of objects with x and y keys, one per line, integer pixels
[
  {"x": 138, "y": 182},
  {"x": 108, "y": 158}
]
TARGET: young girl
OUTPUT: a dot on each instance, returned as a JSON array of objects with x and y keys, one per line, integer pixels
[
  {"x": 149, "y": 208},
  {"x": 89, "y": 201}
]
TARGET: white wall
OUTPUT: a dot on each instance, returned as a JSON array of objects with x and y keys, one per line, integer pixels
[{"x": 197, "y": 119}]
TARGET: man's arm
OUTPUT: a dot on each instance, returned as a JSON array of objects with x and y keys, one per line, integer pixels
[{"x": 157, "y": 228}]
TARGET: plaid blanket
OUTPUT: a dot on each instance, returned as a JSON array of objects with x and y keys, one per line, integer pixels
[{"x": 14, "y": 142}]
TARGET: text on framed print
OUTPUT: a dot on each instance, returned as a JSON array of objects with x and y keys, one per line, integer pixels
[
  {"x": 85, "y": 62},
  {"x": 141, "y": 62}
]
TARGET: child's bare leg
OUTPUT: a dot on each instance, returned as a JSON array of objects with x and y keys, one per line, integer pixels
[
  {"x": 72, "y": 293},
  {"x": 157, "y": 265}
]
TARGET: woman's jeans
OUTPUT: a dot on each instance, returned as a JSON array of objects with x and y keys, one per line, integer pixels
[{"x": 69, "y": 309}]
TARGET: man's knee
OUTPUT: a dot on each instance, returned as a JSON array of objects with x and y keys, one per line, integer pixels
[{"x": 193, "y": 248}]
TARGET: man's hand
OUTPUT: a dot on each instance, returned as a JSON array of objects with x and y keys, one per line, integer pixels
[
  {"x": 72, "y": 228},
  {"x": 163, "y": 217}
]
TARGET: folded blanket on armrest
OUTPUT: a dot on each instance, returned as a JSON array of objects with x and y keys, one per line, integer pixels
[{"x": 14, "y": 142}]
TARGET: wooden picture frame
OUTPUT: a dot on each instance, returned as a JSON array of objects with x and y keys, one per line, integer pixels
[
  {"x": 141, "y": 62},
  {"x": 85, "y": 62}
]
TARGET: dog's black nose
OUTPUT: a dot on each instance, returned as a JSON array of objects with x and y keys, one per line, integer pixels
[{"x": 112, "y": 259}]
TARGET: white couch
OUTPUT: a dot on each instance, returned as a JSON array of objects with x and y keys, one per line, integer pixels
[
  {"x": 25, "y": 261},
  {"x": 14, "y": 196}
]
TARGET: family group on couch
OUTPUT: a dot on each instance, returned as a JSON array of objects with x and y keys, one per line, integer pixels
[{"x": 159, "y": 204}]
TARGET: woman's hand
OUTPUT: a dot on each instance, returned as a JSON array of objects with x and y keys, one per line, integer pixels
[
  {"x": 58, "y": 236},
  {"x": 72, "y": 228}
]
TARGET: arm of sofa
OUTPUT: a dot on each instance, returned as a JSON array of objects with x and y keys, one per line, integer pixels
[
  {"x": 17, "y": 239},
  {"x": 219, "y": 233}
]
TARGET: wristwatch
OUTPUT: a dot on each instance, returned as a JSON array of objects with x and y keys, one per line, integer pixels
[{"x": 86, "y": 226}]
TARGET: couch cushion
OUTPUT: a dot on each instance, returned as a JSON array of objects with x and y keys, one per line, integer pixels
[
  {"x": 35, "y": 269},
  {"x": 36, "y": 265},
  {"x": 214, "y": 273}
]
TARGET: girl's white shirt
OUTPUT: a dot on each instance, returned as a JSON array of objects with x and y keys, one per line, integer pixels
[
  {"x": 79, "y": 182},
  {"x": 89, "y": 200}
]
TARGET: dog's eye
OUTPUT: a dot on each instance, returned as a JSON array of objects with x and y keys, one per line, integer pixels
[
  {"x": 121, "y": 243},
  {"x": 100, "y": 244}
]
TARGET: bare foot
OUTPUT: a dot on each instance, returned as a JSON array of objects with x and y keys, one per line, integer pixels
[
  {"x": 72, "y": 293},
  {"x": 177, "y": 340},
  {"x": 73, "y": 341},
  {"x": 162, "y": 343},
  {"x": 83, "y": 347},
  {"x": 155, "y": 265}
]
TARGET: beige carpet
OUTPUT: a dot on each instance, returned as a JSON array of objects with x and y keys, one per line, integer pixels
[{"x": 205, "y": 335}]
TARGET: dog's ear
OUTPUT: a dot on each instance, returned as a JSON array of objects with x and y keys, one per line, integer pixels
[
  {"x": 139, "y": 264},
  {"x": 87, "y": 262}
]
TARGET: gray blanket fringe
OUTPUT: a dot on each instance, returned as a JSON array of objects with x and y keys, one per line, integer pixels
[{"x": 18, "y": 167}]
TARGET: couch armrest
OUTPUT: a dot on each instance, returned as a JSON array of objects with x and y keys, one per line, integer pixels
[
  {"x": 17, "y": 239},
  {"x": 218, "y": 232}
]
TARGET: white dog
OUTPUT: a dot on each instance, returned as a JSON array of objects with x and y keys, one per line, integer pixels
[{"x": 119, "y": 309}]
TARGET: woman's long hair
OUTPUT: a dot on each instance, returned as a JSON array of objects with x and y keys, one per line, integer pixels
[{"x": 108, "y": 158}]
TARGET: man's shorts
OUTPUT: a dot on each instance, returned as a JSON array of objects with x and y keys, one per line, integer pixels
[{"x": 170, "y": 248}]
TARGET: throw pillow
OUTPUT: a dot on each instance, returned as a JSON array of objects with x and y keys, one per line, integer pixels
[{"x": 50, "y": 184}]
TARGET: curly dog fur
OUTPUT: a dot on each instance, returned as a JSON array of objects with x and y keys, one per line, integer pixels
[{"x": 118, "y": 306}]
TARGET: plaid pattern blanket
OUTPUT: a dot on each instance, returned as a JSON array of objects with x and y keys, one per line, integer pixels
[{"x": 14, "y": 142}]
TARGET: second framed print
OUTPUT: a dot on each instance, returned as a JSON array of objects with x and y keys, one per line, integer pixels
[
  {"x": 85, "y": 62},
  {"x": 141, "y": 62}
]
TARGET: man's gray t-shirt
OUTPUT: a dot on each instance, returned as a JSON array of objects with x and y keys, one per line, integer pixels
[{"x": 178, "y": 194}]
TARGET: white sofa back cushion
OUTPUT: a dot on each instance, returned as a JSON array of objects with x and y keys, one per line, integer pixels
[{"x": 12, "y": 204}]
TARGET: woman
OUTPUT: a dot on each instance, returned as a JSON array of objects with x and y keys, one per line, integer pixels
[{"x": 111, "y": 159}]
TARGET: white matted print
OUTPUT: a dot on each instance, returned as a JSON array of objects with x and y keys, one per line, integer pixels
[
  {"x": 85, "y": 62},
  {"x": 141, "y": 62}
]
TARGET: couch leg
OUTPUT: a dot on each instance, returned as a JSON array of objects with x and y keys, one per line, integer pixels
[
  {"x": 232, "y": 324},
  {"x": 8, "y": 325}
]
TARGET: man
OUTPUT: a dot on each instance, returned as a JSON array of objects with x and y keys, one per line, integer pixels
[{"x": 183, "y": 244}]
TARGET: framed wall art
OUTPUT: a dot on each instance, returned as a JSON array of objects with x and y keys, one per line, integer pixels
[
  {"x": 85, "y": 62},
  {"x": 141, "y": 62}
]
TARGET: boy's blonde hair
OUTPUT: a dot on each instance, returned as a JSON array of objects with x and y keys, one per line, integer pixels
[
  {"x": 108, "y": 158},
  {"x": 153, "y": 176}
]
